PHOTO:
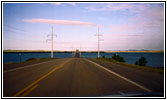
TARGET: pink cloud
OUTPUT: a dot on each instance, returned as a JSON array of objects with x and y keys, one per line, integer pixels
[{"x": 60, "y": 22}]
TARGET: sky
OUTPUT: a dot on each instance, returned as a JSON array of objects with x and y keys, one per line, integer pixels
[{"x": 123, "y": 26}]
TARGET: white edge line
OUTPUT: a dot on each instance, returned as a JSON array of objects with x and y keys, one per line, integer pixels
[
  {"x": 134, "y": 83},
  {"x": 26, "y": 66}
]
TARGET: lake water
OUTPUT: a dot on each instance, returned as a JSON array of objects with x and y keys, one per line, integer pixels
[{"x": 154, "y": 59}]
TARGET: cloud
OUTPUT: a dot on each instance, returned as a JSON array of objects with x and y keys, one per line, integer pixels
[
  {"x": 135, "y": 28},
  {"x": 56, "y": 4},
  {"x": 59, "y": 4},
  {"x": 115, "y": 7},
  {"x": 149, "y": 17},
  {"x": 73, "y": 4},
  {"x": 129, "y": 8},
  {"x": 143, "y": 30},
  {"x": 60, "y": 22},
  {"x": 100, "y": 18},
  {"x": 118, "y": 41}
]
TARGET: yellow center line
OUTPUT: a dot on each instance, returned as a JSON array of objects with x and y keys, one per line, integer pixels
[
  {"x": 44, "y": 76},
  {"x": 26, "y": 93}
]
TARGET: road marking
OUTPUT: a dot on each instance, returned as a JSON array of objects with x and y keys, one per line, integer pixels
[
  {"x": 26, "y": 66},
  {"x": 134, "y": 83},
  {"x": 31, "y": 89},
  {"x": 44, "y": 76}
]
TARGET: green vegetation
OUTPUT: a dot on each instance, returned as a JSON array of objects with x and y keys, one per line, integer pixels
[
  {"x": 103, "y": 56},
  {"x": 9, "y": 63},
  {"x": 114, "y": 58},
  {"x": 38, "y": 59},
  {"x": 118, "y": 58},
  {"x": 142, "y": 61},
  {"x": 31, "y": 59},
  {"x": 150, "y": 69}
]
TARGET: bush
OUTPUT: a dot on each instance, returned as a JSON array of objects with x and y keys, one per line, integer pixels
[
  {"x": 103, "y": 56},
  {"x": 118, "y": 58},
  {"x": 142, "y": 61}
]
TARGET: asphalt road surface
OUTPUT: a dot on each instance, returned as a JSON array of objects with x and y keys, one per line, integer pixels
[{"x": 78, "y": 77}]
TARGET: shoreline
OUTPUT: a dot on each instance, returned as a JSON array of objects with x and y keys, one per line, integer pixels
[{"x": 107, "y": 51}]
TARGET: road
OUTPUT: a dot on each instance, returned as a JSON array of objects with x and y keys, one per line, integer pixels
[{"x": 73, "y": 77}]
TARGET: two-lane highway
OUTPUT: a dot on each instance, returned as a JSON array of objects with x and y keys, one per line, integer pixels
[{"x": 68, "y": 77}]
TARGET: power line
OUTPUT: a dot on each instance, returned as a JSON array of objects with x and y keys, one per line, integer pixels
[
  {"x": 13, "y": 38},
  {"x": 12, "y": 31},
  {"x": 16, "y": 30},
  {"x": 11, "y": 27},
  {"x": 15, "y": 33}
]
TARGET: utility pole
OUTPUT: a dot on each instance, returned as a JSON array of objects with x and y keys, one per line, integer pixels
[
  {"x": 52, "y": 43},
  {"x": 98, "y": 42},
  {"x": 72, "y": 51},
  {"x": 51, "y": 55},
  {"x": 80, "y": 50}
]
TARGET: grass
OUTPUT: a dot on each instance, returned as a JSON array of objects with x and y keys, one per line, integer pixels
[
  {"x": 150, "y": 69},
  {"x": 38, "y": 59},
  {"x": 9, "y": 63}
]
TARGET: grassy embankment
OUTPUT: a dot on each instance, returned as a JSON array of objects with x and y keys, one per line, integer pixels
[
  {"x": 31, "y": 60},
  {"x": 150, "y": 69}
]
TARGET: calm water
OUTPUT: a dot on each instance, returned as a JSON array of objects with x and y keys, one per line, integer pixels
[{"x": 154, "y": 59}]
